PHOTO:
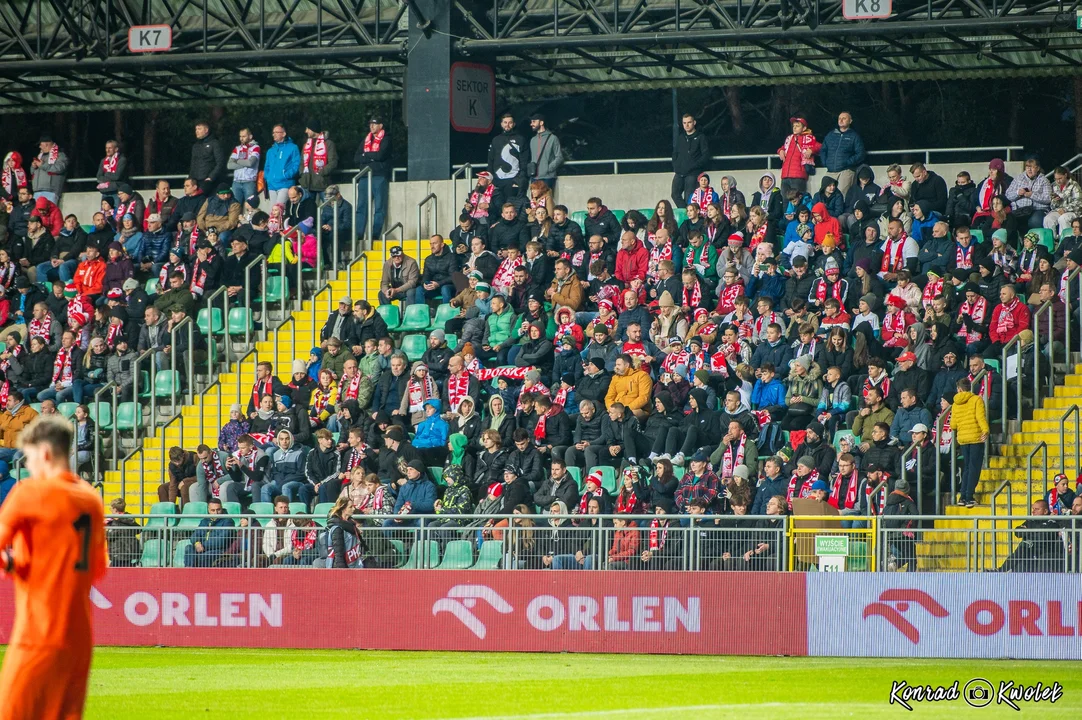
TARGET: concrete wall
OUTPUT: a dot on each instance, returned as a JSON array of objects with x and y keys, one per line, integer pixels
[{"x": 636, "y": 190}]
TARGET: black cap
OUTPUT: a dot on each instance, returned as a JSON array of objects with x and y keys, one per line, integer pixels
[
  {"x": 817, "y": 428},
  {"x": 223, "y": 188},
  {"x": 512, "y": 468},
  {"x": 597, "y": 363},
  {"x": 799, "y": 261},
  {"x": 418, "y": 465},
  {"x": 315, "y": 125},
  {"x": 45, "y": 137},
  {"x": 1076, "y": 256},
  {"x": 537, "y": 116},
  {"x": 252, "y": 201},
  {"x": 872, "y": 467},
  {"x": 123, "y": 187},
  {"x": 22, "y": 282},
  {"x": 188, "y": 217},
  {"x": 568, "y": 378},
  {"x": 374, "y": 119}
]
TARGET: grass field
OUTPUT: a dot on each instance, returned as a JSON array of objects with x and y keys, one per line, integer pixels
[{"x": 166, "y": 683}]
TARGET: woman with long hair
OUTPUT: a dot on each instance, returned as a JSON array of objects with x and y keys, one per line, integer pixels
[
  {"x": 663, "y": 218},
  {"x": 837, "y": 352},
  {"x": 540, "y": 197},
  {"x": 345, "y": 547}
]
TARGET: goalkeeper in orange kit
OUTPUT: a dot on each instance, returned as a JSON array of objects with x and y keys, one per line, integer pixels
[{"x": 52, "y": 544}]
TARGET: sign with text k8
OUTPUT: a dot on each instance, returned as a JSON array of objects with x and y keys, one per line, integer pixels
[
  {"x": 866, "y": 9},
  {"x": 546, "y": 611},
  {"x": 963, "y": 615}
]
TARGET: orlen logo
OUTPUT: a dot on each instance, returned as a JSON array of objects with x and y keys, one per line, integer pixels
[
  {"x": 461, "y": 599},
  {"x": 611, "y": 613},
  {"x": 894, "y": 613},
  {"x": 181, "y": 609}
]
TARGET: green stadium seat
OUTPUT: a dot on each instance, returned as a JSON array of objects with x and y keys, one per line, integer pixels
[
  {"x": 67, "y": 409},
  {"x": 262, "y": 508},
  {"x": 437, "y": 474},
  {"x": 678, "y": 471},
  {"x": 994, "y": 364},
  {"x": 579, "y": 216},
  {"x": 1048, "y": 238},
  {"x": 415, "y": 319},
  {"x": 858, "y": 555},
  {"x": 680, "y": 214},
  {"x": 400, "y": 551},
  {"x": 647, "y": 213},
  {"x": 321, "y": 511},
  {"x": 298, "y": 508},
  {"x": 490, "y": 555},
  {"x": 576, "y": 473},
  {"x": 391, "y": 315},
  {"x": 452, "y": 341},
  {"x": 274, "y": 289},
  {"x": 619, "y": 215},
  {"x": 232, "y": 508},
  {"x": 155, "y": 554},
  {"x": 238, "y": 321},
  {"x": 188, "y": 519},
  {"x": 162, "y": 514},
  {"x": 424, "y": 555},
  {"x": 444, "y": 313},
  {"x": 151, "y": 286},
  {"x": 166, "y": 383},
  {"x": 414, "y": 346},
  {"x": 102, "y": 414},
  {"x": 214, "y": 325},
  {"x": 36, "y": 407},
  {"x": 178, "y": 554},
  {"x": 977, "y": 235},
  {"x": 458, "y": 555},
  {"x": 145, "y": 390},
  {"x": 129, "y": 415}
]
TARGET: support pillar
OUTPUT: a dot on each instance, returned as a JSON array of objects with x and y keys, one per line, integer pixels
[{"x": 427, "y": 90}]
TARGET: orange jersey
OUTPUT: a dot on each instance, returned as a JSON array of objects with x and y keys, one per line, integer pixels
[{"x": 55, "y": 528}]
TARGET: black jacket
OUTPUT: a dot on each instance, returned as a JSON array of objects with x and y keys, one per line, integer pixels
[
  {"x": 594, "y": 387},
  {"x": 488, "y": 470},
  {"x": 507, "y": 156},
  {"x": 558, "y": 430},
  {"x": 933, "y": 191},
  {"x": 322, "y": 465},
  {"x": 208, "y": 160},
  {"x": 233, "y": 273},
  {"x": 516, "y": 492},
  {"x": 606, "y": 225},
  {"x": 961, "y": 200},
  {"x": 345, "y": 333},
  {"x": 528, "y": 463},
  {"x": 587, "y": 430},
  {"x": 374, "y": 327},
  {"x": 438, "y": 268},
  {"x": 503, "y": 234},
  {"x": 690, "y": 153},
  {"x": 436, "y": 359},
  {"x": 380, "y": 160},
  {"x": 550, "y": 492}
]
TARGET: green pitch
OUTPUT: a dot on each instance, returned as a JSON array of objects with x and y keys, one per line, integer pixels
[{"x": 179, "y": 683}]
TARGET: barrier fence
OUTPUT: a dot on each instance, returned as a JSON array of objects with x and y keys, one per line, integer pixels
[{"x": 531, "y": 542}]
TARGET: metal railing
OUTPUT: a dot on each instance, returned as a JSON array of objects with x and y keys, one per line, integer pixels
[
  {"x": 368, "y": 208},
  {"x": 1073, "y": 410},
  {"x": 212, "y": 343},
  {"x": 940, "y": 421},
  {"x": 1016, "y": 341},
  {"x": 973, "y": 385},
  {"x": 1071, "y": 277},
  {"x": 334, "y": 238},
  {"x": 330, "y": 308},
  {"x": 362, "y": 258},
  {"x": 435, "y": 217},
  {"x": 108, "y": 387},
  {"x": 217, "y": 410},
  {"x": 461, "y": 171},
  {"x": 916, "y": 448},
  {"x": 401, "y": 238},
  {"x": 190, "y": 324},
  {"x": 1041, "y": 447},
  {"x": 254, "y": 354},
  {"x": 1037, "y": 349},
  {"x": 261, "y": 260}
]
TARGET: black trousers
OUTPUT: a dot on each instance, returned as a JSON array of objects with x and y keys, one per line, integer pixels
[{"x": 682, "y": 187}]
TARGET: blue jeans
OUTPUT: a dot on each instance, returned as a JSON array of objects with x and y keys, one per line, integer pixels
[
  {"x": 379, "y": 205},
  {"x": 1036, "y": 220},
  {"x": 299, "y": 491},
  {"x": 29, "y": 394},
  {"x": 65, "y": 395},
  {"x": 269, "y": 492},
  {"x": 242, "y": 190},
  {"x": 568, "y": 562},
  {"x": 10, "y": 455},
  {"x": 421, "y": 296},
  {"x": 82, "y": 389},
  {"x": 62, "y": 273},
  {"x": 46, "y": 194},
  {"x": 512, "y": 353}
]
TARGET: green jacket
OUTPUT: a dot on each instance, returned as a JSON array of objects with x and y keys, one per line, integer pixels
[
  {"x": 369, "y": 366},
  {"x": 498, "y": 328}
]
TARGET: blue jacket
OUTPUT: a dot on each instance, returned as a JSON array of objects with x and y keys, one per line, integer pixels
[
  {"x": 922, "y": 229},
  {"x": 345, "y": 222},
  {"x": 835, "y": 203},
  {"x": 768, "y": 395},
  {"x": 156, "y": 245},
  {"x": 420, "y": 494},
  {"x": 842, "y": 150},
  {"x": 433, "y": 431},
  {"x": 790, "y": 231},
  {"x": 766, "y": 490},
  {"x": 769, "y": 285},
  {"x": 282, "y": 165},
  {"x": 778, "y": 355},
  {"x": 214, "y": 541},
  {"x": 905, "y": 419}
]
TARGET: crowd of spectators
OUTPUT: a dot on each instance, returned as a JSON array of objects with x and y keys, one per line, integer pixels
[{"x": 728, "y": 356}]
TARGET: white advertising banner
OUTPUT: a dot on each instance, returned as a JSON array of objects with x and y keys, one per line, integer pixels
[{"x": 963, "y": 615}]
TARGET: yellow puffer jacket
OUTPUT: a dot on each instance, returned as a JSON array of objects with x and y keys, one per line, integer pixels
[
  {"x": 632, "y": 389},
  {"x": 968, "y": 418}
]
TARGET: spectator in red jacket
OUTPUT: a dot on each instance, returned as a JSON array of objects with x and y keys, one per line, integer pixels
[
  {"x": 90, "y": 275},
  {"x": 625, "y": 544},
  {"x": 50, "y": 215},
  {"x": 1009, "y": 318},
  {"x": 826, "y": 224},
  {"x": 799, "y": 150},
  {"x": 632, "y": 260}
]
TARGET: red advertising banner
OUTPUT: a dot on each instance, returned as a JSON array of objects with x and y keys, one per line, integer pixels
[{"x": 548, "y": 611}]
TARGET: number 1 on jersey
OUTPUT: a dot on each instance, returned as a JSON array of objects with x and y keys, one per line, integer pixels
[{"x": 82, "y": 526}]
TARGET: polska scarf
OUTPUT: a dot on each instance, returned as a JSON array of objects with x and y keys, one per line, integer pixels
[
  {"x": 876, "y": 507},
  {"x": 963, "y": 257},
  {"x": 505, "y": 274},
  {"x": 893, "y": 254},
  {"x": 20, "y": 179},
  {"x": 1005, "y": 321},
  {"x": 481, "y": 196},
  {"x": 764, "y": 321},
  {"x": 758, "y": 236},
  {"x": 805, "y": 486},
  {"x": 418, "y": 393},
  {"x": 78, "y": 312},
  {"x": 539, "y": 428},
  {"x": 657, "y": 254},
  {"x": 946, "y": 436},
  {"x": 372, "y": 141},
  {"x": 353, "y": 387},
  {"x": 199, "y": 275},
  {"x": 261, "y": 388},
  {"x": 62, "y": 371},
  {"x": 318, "y": 147},
  {"x": 115, "y": 335},
  {"x": 7, "y": 274},
  {"x": 109, "y": 163},
  {"x": 54, "y": 155},
  {"x": 727, "y": 297},
  {"x": 692, "y": 298},
  {"x": 658, "y": 533},
  {"x": 122, "y": 210},
  {"x": 5, "y": 365},
  {"x": 704, "y": 255},
  {"x": 974, "y": 311},
  {"x": 931, "y": 290},
  {"x": 213, "y": 471},
  {"x": 703, "y": 198},
  {"x": 301, "y": 539},
  {"x": 894, "y": 325},
  {"x": 458, "y": 388},
  {"x": 728, "y": 462},
  {"x": 584, "y": 502},
  {"x": 986, "y": 385},
  {"x": 39, "y": 328},
  {"x": 537, "y": 389},
  {"x": 883, "y": 385},
  {"x": 850, "y": 491}
]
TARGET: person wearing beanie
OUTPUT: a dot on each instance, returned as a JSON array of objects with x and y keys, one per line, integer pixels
[
  {"x": 897, "y": 523},
  {"x": 437, "y": 355},
  {"x": 319, "y": 158},
  {"x": 236, "y": 426},
  {"x": 594, "y": 383}
]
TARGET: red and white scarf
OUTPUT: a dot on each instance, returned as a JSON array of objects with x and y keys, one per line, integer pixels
[
  {"x": 249, "y": 462},
  {"x": 5, "y": 389},
  {"x": 764, "y": 321},
  {"x": 658, "y": 533},
  {"x": 539, "y": 428},
  {"x": 627, "y": 502},
  {"x": 536, "y": 389},
  {"x": 39, "y": 328},
  {"x": 693, "y": 297},
  {"x": 931, "y": 290},
  {"x": 703, "y": 198},
  {"x": 584, "y": 502},
  {"x": 805, "y": 487},
  {"x": 7, "y": 274},
  {"x": 1005, "y": 321},
  {"x": 836, "y": 290},
  {"x": 199, "y": 277},
  {"x": 481, "y": 196},
  {"x": 976, "y": 311},
  {"x": 5, "y": 365},
  {"x": 62, "y": 369},
  {"x": 356, "y": 457},
  {"x": 850, "y": 491},
  {"x": 511, "y": 373},
  {"x": 963, "y": 257},
  {"x": 727, "y": 296},
  {"x": 78, "y": 312},
  {"x": 261, "y": 388},
  {"x": 122, "y": 210},
  {"x": 946, "y": 435},
  {"x": 986, "y": 385},
  {"x": 110, "y": 162},
  {"x": 560, "y": 401},
  {"x": 728, "y": 354},
  {"x": 321, "y": 398},
  {"x": 20, "y": 178},
  {"x": 876, "y": 507},
  {"x": 193, "y": 238},
  {"x": 680, "y": 357},
  {"x": 988, "y": 191},
  {"x": 315, "y": 146},
  {"x": 115, "y": 335},
  {"x": 54, "y": 155},
  {"x": 419, "y": 393},
  {"x": 372, "y": 141},
  {"x": 353, "y": 387},
  {"x": 213, "y": 471},
  {"x": 505, "y": 274},
  {"x": 894, "y": 325},
  {"x": 893, "y": 254},
  {"x": 883, "y": 385},
  {"x": 704, "y": 255},
  {"x": 728, "y": 462},
  {"x": 657, "y": 254},
  {"x": 302, "y": 539},
  {"x": 244, "y": 152},
  {"x": 458, "y": 388},
  {"x": 758, "y": 236}
]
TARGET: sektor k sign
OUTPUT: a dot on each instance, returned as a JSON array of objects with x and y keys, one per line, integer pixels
[{"x": 473, "y": 97}]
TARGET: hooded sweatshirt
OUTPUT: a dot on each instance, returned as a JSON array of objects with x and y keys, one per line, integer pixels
[
  {"x": 287, "y": 465},
  {"x": 432, "y": 432},
  {"x": 827, "y": 225}
]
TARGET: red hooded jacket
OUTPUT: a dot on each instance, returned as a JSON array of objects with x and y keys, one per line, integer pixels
[
  {"x": 50, "y": 215},
  {"x": 632, "y": 263},
  {"x": 828, "y": 224},
  {"x": 794, "y": 147}
]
